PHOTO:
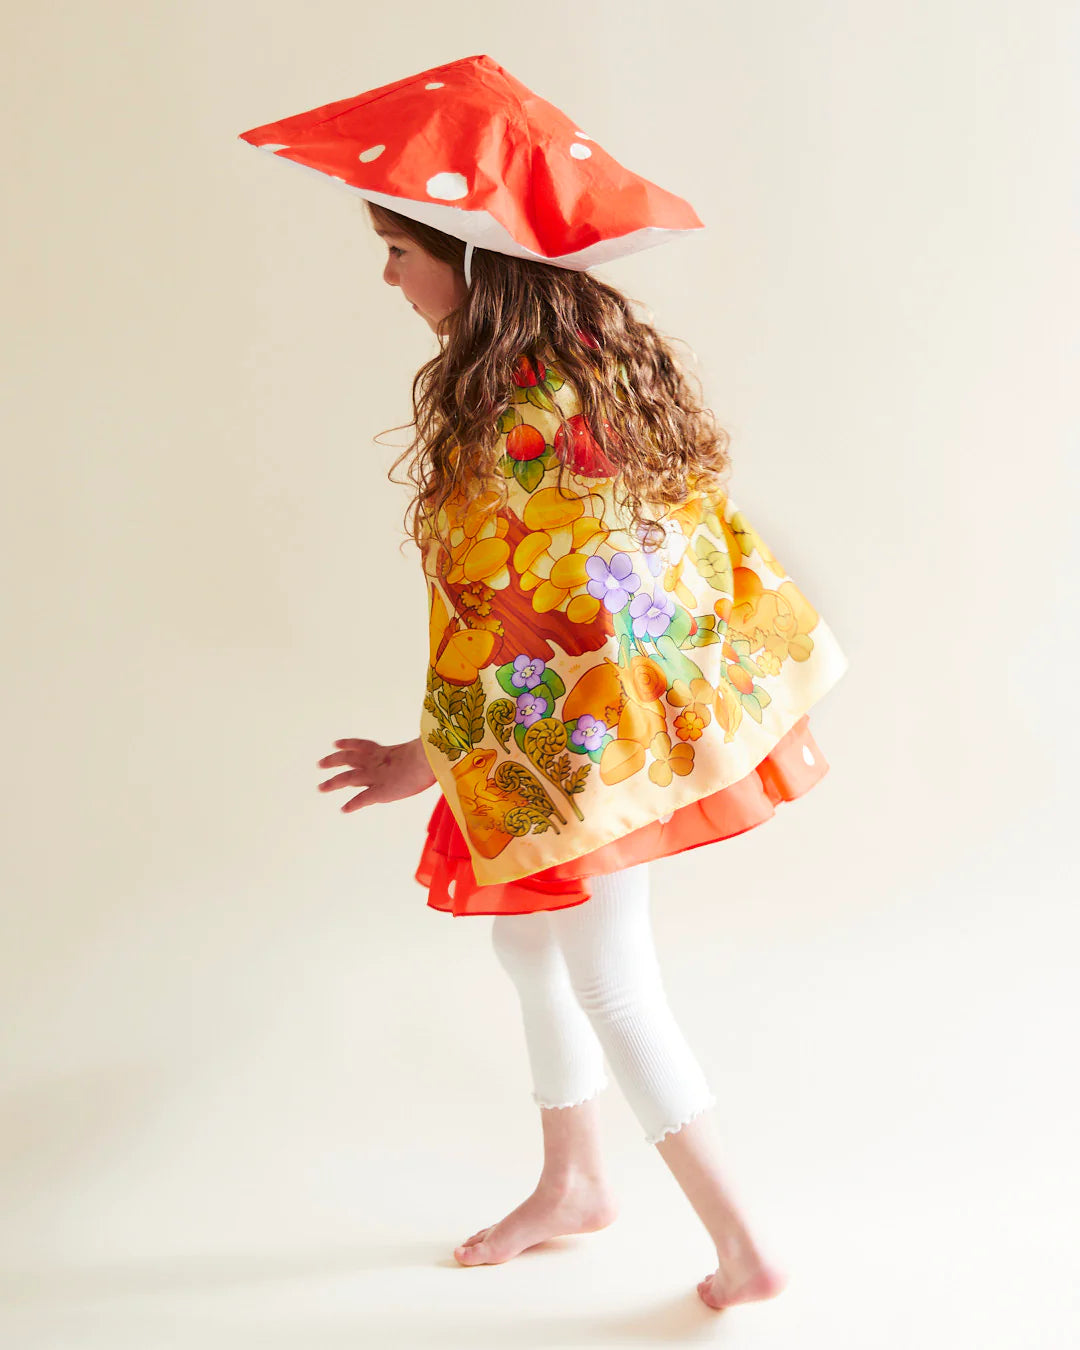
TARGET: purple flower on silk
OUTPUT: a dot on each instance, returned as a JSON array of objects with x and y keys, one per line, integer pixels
[
  {"x": 589, "y": 732},
  {"x": 613, "y": 582},
  {"x": 527, "y": 671},
  {"x": 530, "y": 708},
  {"x": 652, "y": 614}
]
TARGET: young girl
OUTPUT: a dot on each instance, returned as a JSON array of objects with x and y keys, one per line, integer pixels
[{"x": 619, "y": 668}]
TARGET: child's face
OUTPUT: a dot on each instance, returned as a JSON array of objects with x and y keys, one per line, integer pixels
[{"x": 431, "y": 286}]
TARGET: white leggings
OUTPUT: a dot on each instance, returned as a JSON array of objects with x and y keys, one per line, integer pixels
[{"x": 590, "y": 985}]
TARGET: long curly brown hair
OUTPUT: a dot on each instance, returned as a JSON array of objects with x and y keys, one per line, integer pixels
[{"x": 637, "y": 400}]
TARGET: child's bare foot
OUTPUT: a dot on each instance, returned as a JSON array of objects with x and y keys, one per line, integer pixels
[
  {"x": 741, "y": 1282},
  {"x": 581, "y": 1207}
]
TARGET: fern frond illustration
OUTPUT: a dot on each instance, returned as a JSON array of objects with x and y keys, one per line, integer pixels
[
  {"x": 459, "y": 712},
  {"x": 537, "y": 806},
  {"x": 545, "y": 743},
  {"x": 500, "y": 718},
  {"x": 513, "y": 777}
]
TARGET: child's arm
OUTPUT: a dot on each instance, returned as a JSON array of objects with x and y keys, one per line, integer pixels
[{"x": 385, "y": 772}]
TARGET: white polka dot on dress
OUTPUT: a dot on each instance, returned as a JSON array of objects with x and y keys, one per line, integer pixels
[
  {"x": 372, "y": 152},
  {"x": 808, "y": 755},
  {"x": 580, "y": 151},
  {"x": 435, "y": 84}
]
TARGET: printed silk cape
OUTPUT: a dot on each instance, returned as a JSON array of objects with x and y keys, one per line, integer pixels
[{"x": 581, "y": 686}]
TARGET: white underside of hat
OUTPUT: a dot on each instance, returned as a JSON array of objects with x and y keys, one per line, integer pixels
[{"x": 482, "y": 230}]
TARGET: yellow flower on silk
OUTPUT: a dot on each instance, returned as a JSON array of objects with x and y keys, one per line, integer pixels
[
  {"x": 696, "y": 699},
  {"x": 668, "y": 760}
]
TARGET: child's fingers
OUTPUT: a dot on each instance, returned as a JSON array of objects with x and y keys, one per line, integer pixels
[
  {"x": 350, "y": 778},
  {"x": 358, "y": 756},
  {"x": 369, "y": 797}
]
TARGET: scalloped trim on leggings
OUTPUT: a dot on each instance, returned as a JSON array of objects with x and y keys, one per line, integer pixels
[
  {"x": 562, "y": 1106},
  {"x": 670, "y": 1129}
]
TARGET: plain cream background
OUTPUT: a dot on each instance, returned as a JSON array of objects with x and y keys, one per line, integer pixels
[{"x": 254, "y": 1090}]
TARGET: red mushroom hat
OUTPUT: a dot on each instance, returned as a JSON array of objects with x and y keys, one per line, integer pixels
[{"x": 469, "y": 149}]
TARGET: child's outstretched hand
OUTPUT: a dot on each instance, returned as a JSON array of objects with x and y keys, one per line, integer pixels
[{"x": 385, "y": 772}]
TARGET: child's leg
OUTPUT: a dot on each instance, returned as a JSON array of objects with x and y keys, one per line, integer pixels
[
  {"x": 613, "y": 968},
  {"x": 566, "y": 1059},
  {"x": 744, "y": 1275},
  {"x": 567, "y": 1062}
]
